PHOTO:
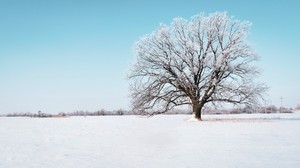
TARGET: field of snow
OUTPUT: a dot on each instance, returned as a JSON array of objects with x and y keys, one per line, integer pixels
[{"x": 248, "y": 141}]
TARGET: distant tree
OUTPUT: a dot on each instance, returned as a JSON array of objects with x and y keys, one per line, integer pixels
[
  {"x": 120, "y": 112},
  {"x": 194, "y": 62},
  {"x": 297, "y": 107},
  {"x": 63, "y": 114},
  {"x": 271, "y": 109},
  {"x": 248, "y": 109},
  {"x": 101, "y": 112}
]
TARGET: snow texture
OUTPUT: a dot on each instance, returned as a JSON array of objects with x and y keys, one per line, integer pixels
[{"x": 247, "y": 141}]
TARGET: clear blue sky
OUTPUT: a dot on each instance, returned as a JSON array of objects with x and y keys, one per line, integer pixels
[{"x": 67, "y": 55}]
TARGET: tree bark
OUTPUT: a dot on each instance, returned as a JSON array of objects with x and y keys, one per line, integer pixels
[{"x": 197, "y": 111}]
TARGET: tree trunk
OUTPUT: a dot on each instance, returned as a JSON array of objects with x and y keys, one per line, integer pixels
[{"x": 197, "y": 111}]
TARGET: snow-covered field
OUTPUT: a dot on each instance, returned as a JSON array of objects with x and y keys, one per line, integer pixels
[{"x": 247, "y": 141}]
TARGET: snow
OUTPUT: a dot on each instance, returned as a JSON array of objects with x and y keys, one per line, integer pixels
[{"x": 247, "y": 141}]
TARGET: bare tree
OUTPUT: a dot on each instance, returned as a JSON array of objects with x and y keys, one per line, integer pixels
[
  {"x": 194, "y": 62},
  {"x": 298, "y": 106}
]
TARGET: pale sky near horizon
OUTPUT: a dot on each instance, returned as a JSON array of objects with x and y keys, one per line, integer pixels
[{"x": 67, "y": 55}]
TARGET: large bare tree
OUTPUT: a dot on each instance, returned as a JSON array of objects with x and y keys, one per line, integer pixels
[{"x": 194, "y": 62}]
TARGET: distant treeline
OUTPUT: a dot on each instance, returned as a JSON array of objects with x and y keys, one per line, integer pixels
[
  {"x": 65, "y": 114},
  {"x": 248, "y": 110},
  {"x": 208, "y": 110}
]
